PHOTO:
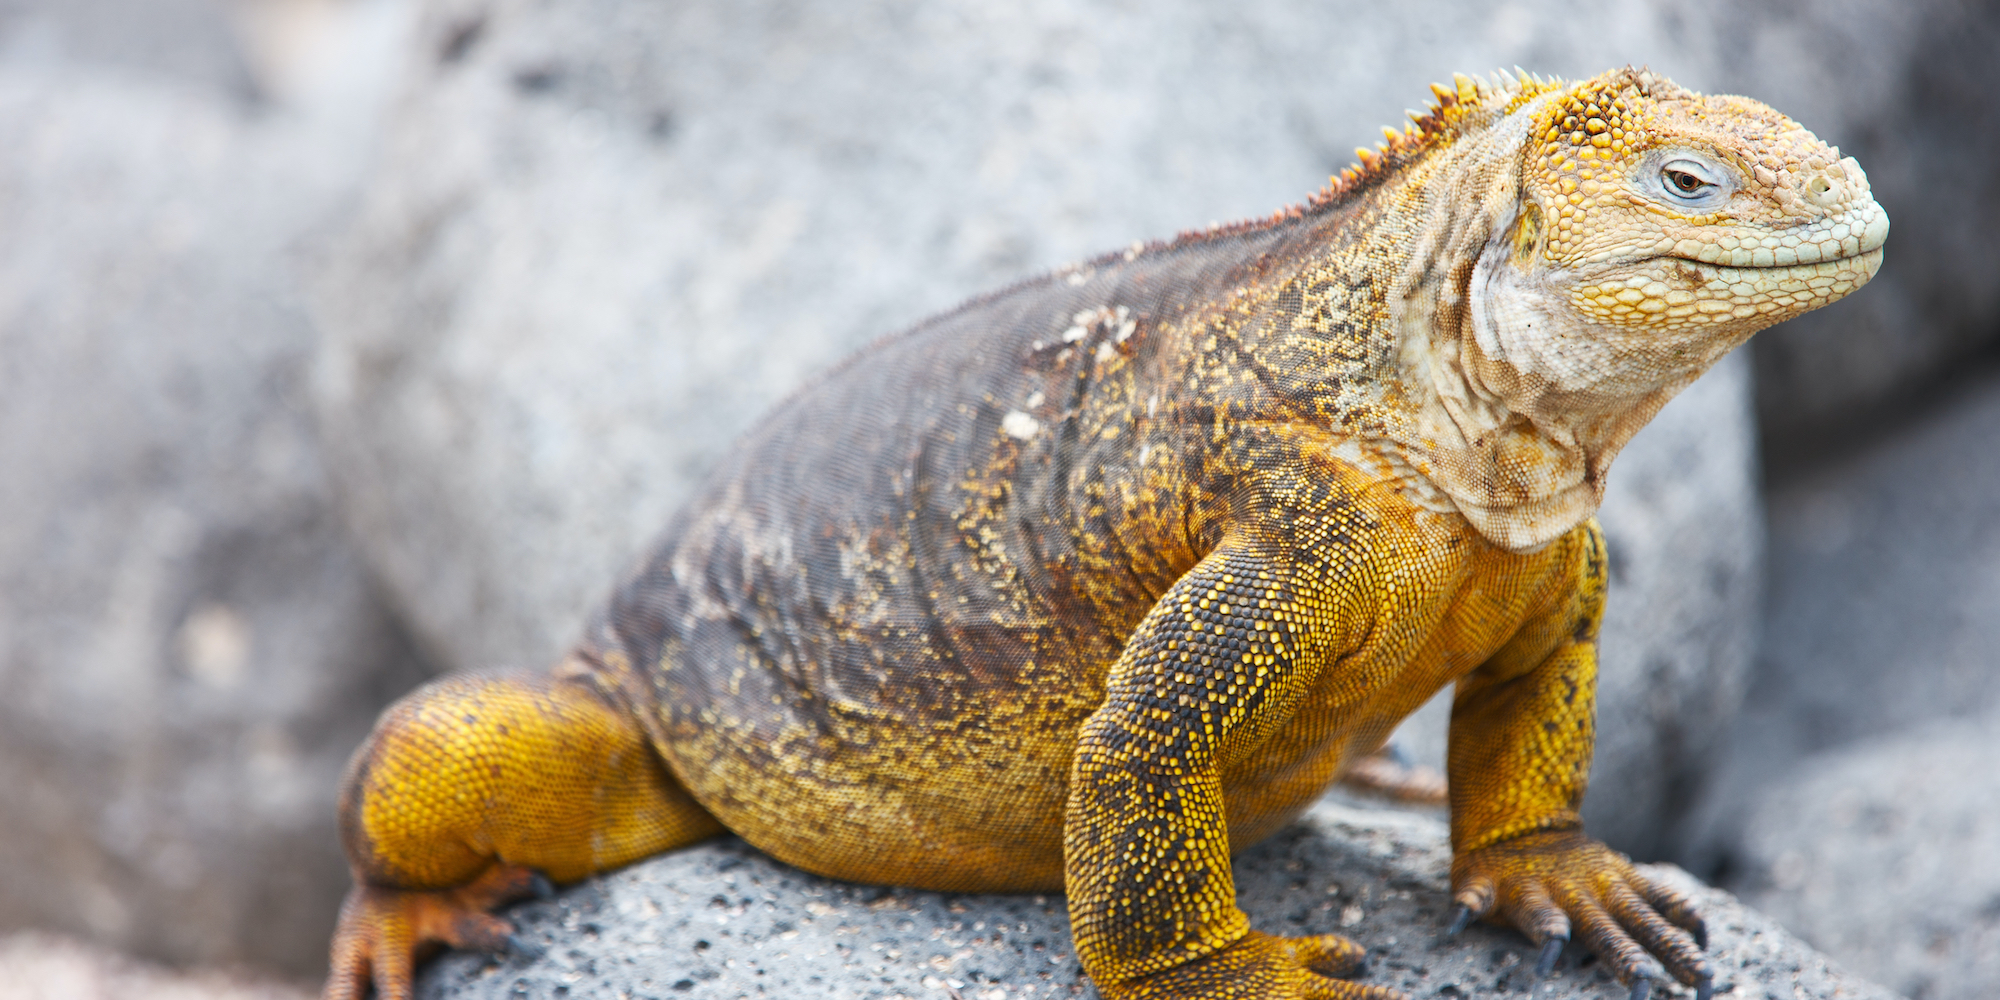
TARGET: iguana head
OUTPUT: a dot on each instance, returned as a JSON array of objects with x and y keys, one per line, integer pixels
[
  {"x": 1655, "y": 229},
  {"x": 1579, "y": 253}
]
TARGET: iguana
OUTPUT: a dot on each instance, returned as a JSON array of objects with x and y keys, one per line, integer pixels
[{"x": 1093, "y": 581}]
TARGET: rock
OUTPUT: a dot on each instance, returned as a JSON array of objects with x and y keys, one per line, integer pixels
[
  {"x": 38, "y": 966},
  {"x": 189, "y": 644},
  {"x": 721, "y": 920},
  {"x": 607, "y": 234},
  {"x": 191, "y": 43},
  {"x": 1887, "y": 852},
  {"x": 1882, "y": 608}
]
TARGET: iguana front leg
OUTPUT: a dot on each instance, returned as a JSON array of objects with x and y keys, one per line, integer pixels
[
  {"x": 1522, "y": 730},
  {"x": 1218, "y": 661}
]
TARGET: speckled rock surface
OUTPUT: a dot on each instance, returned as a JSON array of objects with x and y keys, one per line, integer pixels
[
  {"x": 722, "y": 921},
  {"x": 1888, "y": 852}
]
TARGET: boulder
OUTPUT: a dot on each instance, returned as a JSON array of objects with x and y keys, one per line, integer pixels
[
  {"x": 1858, "y": 800},
  {"x": 39, "y": 966},
  {"x": 606, "y": 235},
  {"x": 191, "y": 44},
  {"x": 720, "y": 920},
  {"x": 1882, "y": 611},
  {"x": 1887, "y": 852},
  {"x": 189, "y": 644}
]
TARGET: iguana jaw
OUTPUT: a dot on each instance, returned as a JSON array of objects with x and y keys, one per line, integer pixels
[{"x": 1548, "y": 392}]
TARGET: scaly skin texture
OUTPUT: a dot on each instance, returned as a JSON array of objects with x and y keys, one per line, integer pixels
[{"x": 1094, "y": 581}]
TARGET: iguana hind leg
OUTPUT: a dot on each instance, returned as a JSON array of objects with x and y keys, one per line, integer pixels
[{"x": 470, "y": 787}]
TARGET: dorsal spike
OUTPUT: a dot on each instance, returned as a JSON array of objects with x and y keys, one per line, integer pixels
[{"x": 1461, "y": 105}]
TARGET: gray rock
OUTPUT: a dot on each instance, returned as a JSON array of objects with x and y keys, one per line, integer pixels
[
  {"x": 36, "y": 965},
  {"x": 607, "y": 234},
  {"x": 189, "y": 644},
  {"x": 189, "y": 42},
  {"x": 1883, "y": 607},
  {"x": 1887, "y": 853},
  {"x": 1858, "y": 798},
  {"x": 721, "y": 921}
]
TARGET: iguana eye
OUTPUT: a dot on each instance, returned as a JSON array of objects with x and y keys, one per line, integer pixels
[{"x": 1688, "y": 180}]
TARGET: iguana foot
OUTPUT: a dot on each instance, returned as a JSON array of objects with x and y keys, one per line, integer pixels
[
  {"x": 1261, "y": 966},
  {"x": 383, "y": 932},
  {"x": 1550, "y": 884},
  {"x": 1386, "y": 773}
]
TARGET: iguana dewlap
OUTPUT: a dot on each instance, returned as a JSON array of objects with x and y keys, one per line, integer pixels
[{"x": 1097, "y": 579}]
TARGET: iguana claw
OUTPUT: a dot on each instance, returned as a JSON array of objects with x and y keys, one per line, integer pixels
[
  {"x": 1558, "y": 886},
  {"x": 540, "y": 885},
  {"x": 524, "y": 949},
  {"x": 384, "y": 932},
  {"x": 1460, "y": 919},
  {"x": 1552, "y": 949}
]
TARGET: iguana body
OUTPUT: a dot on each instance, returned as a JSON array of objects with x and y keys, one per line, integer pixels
[{"x": 1095, "y": 580}]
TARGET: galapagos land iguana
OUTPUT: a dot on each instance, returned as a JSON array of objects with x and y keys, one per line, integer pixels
[{"x": 1094, "y": 580}]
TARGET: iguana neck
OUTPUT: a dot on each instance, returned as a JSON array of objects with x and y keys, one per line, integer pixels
[{"x": 1521, "y": 457}]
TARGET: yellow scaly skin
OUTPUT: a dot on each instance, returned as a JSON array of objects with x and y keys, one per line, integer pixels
[{"x": 1099, "y": 579}]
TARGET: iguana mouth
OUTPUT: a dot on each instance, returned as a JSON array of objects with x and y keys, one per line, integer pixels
[
  {"x": 1860, "y": 254},
  {"x": 1675, "y": 290},
  {"x": 1821, "y": 243},
  {"x": 1684, "y": 266}
]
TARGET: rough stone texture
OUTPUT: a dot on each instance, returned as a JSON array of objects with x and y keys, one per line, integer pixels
[
  {"x": 37, "y": 966},
  {"x": 1905, "y": 88},
  {"x": 1888, "y": 853},
  {"x": 189, "y": 644},
  {"x": 607, "y": 234},
  {"x": 722, "y": 921}
]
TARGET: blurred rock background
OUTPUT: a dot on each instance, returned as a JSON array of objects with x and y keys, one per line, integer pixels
[{"x": 343, "y": 341}]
